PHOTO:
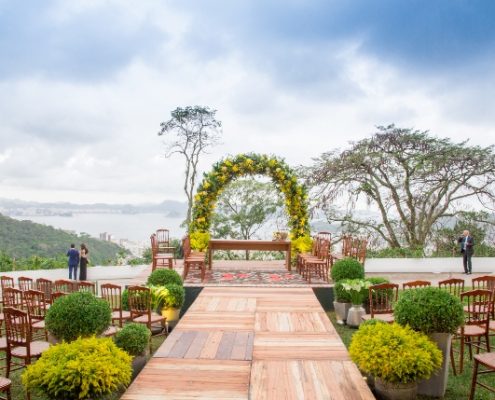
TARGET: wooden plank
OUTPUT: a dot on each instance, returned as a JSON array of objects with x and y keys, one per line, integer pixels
[
  {"x": 197, "y": 345},
  {"x": 225, "y": 347},
  {"x": 239, "y": 350},
  {"x": 182, "y": 345}
]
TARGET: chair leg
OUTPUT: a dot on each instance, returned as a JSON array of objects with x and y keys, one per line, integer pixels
[
  {"x": 8, "y": 361},
  {"x": 461, "y": 355},
  {"x": 474, "y": 379}
]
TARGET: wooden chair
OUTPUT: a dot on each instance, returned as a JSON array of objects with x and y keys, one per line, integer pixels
[
  {"x": 192, "y": 260},
  {"x": 415, "y": 284},
  {"x": 454, "y": 286},
  {"x": 162, "y": 256},
  {"x": 64, "y": 285},
  {"x": 140, "y": 309},
  {"x": 319, "y": 265},
  {"x": 346, "y": 245},
  {"x": 302, "y": 257},
  {"x": 487, "y": 360},
  {"x": 475, "y": 323},
  {"x": 19, "y": 339},
  {"x": 87, "y": 286},
  {"x": 55, "y": 295},
  {"x": 5, "y": 384},
  {"x": 6, "y": 281},
  {"x": 382, "y": 298},
  {"x": 361, "y": 251},
  {"x": 45, "y": 286},
  {"x": 25, "y": 283},
  {"x": 36, "y": 307},
  {"x": 113, "y": 295},
  {"x": 13, "y": 297}
]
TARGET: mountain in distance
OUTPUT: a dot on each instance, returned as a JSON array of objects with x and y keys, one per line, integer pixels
[
  {"x": 23, "y": 239},
  {"x": 17, "y": 207}
]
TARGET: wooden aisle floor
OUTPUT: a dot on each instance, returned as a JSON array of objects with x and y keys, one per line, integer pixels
[{"x": 252, "y": 343}]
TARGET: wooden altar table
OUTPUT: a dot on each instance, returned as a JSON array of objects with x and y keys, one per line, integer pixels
[{"x": 259, "y": 245}]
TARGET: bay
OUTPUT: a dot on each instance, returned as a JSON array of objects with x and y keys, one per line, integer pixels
[{"x": 133, "y": 227}]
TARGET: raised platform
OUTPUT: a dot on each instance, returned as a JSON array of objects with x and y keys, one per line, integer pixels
[{"x": 252, "y": 343}]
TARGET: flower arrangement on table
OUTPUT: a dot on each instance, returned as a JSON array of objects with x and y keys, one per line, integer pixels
[{"x": 357, "y": 289}]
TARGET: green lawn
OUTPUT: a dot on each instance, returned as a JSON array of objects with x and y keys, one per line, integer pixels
[{"x": 458, "y": 386}]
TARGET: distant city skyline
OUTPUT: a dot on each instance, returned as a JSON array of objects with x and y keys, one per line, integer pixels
[{"x": 84, "y": 85}]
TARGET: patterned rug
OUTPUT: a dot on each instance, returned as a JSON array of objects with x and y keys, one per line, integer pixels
[{"x": 250, "y": 278}]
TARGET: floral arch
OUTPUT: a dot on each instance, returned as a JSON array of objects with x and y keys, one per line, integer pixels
[{"x": 231, "y": 168}]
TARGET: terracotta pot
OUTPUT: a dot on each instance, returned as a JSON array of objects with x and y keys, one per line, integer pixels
[
  {"x": 341, "y": 310},
  {"x": 396, "y": 391}
]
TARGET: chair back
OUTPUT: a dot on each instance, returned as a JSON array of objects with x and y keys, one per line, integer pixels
[
  {"x": 55, "y": 295},
  {"x": 346, "y": 245},
  {"x": 454, "y": 286},
  {"x": 361, "y": 251},
  {"x": 18, "y": 328},
  {"x": 415, "y": 284},
  {"x": 36, "y": 305},
  {"x": 186, "y": 246},
  {"x": 25, "y": 283},
  {"x": 87, "y": 286},
  {"x": 486, "y": 282},
  {"x": 162, "y": 238},
  {"x": 139, "y": 298},
  {"x": 382, "y": 298},
  {"x": 113, "y": 295},
  {"x": 13, "y": 297},
  {"x": 478, "y": 303},
  {"x": 323, "y": 249},
  {"x": 64, "y": 285},
  {"x": 45, "y": 286},
  {"x": 6, "y": 281}
]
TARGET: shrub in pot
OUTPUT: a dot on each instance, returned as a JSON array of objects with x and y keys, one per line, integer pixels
[
  {"x": 396, "y": 356},
  {"x": 86, "y": 368},
  {"x": 134, "y": 339},
  {"x": 162, "y": 277},
  {"x": 168, "y": 300},
  {"x": 78, "y": 314},
  {"x": 347, "y": 268},
  {"x": 438, "y": 314}
]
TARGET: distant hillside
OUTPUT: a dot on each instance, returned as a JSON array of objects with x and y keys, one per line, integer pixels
[{"x": 22, "y": 239}]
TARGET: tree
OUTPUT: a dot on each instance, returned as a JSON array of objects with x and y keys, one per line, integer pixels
[
  {"x": 193, "y": 130},
  {"x": 244, "y": 208},
  {"x": 412, "y": 178}
]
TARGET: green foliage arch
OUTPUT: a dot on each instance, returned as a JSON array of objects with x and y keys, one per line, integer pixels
[{"x": 230, "y": 168}]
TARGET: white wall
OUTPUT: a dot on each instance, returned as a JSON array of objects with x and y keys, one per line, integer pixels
[{"x": 480, "y": 264}]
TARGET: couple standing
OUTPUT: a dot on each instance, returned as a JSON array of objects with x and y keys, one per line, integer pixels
[{"x": 76, "y": 259}]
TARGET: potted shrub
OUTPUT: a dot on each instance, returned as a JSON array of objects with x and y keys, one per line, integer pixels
[
  {"x": 162, "y": 277},
  {"x": 168, "y": 301},
  {"x": 347, "y": 268},
  {"x": 134, "y": 339},
  {"x": 396, "y": 356},
  {"x": 357, "y": 289},
  {"x": 438, "y": 314},
  {"x": 78, "y": 314},
  {"x": 87, "y": 368}
]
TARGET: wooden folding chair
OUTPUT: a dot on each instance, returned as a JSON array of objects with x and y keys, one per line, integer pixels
[
  {"x": 382, "y": 298},
  {"x": 65, "y": 285},
  {"x": 415, "y": 284},
  {"x": 487, "y": 360},
  {"x": 45, "y": 286},
  {"x": 25, "y": 283},
  {"x": 113, "y": 295},
  {"x": 477, "y": 317},
  {"x": 192, "y": 259},
  {"x": 140, "y": 309},
  {"x": 36, "y": 307},
  {"x": 87, "y": 286},
  {"x": 19, "y": 339},
  {"x": 454, "y": 286}
]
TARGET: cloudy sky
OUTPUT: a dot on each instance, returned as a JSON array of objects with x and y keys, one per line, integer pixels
[{"x": 84, "y": 84}]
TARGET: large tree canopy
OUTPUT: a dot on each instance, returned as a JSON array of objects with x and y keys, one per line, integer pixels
[{"x": 413, "y": 179}]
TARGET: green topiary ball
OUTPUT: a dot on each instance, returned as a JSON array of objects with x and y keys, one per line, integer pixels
[
  {"x": 78, "y": 314},
  {"x": 429, "y": 310},
  {"x": 88, "y": 368},
  {"x": 347, "y": 268},
  {"x": 162, "y": 277},
  {"x": 133, "y": 338}
]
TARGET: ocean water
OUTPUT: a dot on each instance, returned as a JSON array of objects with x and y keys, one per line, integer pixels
[{"x": 133, "y": 227}]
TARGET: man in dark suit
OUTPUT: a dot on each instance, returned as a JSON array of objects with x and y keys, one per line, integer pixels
[
  {"x": 467, "y": 242},
  {"x": 73, "y": 261}
]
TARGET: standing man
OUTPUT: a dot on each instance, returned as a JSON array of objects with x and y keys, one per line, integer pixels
[
  {"x": 467, "y": 242},
  {"x": 73, "y": 255}
]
